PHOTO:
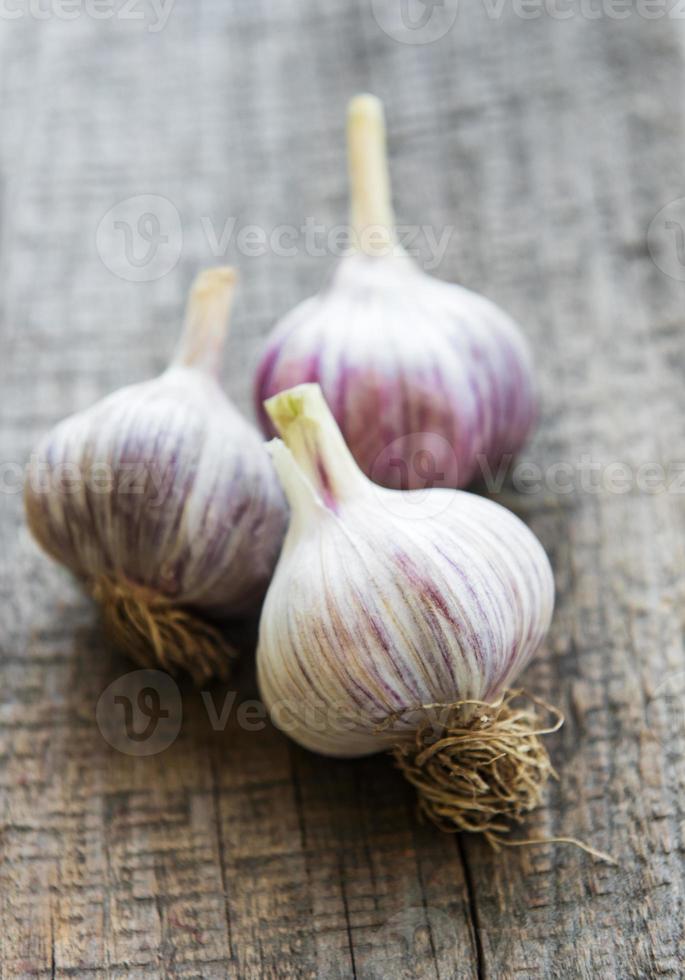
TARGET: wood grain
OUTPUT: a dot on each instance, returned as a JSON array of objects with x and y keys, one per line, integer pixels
[{"x": 548, "y": 146}]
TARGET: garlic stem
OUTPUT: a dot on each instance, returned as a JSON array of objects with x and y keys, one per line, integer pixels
[
  {"x": 371, "y": 214},
  {"x": 305, "y": 423},
  {"x": 206, "y": 322},
  {"x": 301, "y": 495}
]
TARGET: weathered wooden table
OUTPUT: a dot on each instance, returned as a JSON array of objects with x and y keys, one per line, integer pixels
[{"x": 544, "y": 146}]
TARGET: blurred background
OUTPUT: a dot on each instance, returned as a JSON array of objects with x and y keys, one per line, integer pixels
[{"x": 538, "y": 147}]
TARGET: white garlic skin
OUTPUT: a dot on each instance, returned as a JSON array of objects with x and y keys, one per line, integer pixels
[
  {"x": 164, "y": 484},
  {"x": 430, "y": 383},
  {"x": 383, "y": 601},
  {"x": 410, "y": 366}
]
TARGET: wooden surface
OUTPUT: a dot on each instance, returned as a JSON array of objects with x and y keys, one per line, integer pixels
[{"x": 549, "y": 145}]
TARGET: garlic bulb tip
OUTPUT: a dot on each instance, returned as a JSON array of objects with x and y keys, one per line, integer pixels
[
  {"x": 206, "y": 321},
  {"x": 364, "y": 105},
  {"x": 371, "y": 214},
  {"x": 295, "y": 403}
]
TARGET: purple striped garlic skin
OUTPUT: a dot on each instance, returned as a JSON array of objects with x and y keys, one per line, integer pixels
[
  {"x": 431, "y": 384},
  {"x": 383, "y": 601},
  {"x": 414, "y": 369},
  {"x": 164, "y": 484}
]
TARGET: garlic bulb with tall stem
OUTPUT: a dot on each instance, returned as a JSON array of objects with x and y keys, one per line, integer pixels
[
  {"x": 387, "y": 604},
  {"x": 431, "y": 384},
  {"x": 162, "y": 499}
]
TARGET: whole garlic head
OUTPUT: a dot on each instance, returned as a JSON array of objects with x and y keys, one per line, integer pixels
[
  {"x": 384, "y": 601},
  {"x": 431, "y": 384},
  {"x": 163, "y": 490}
]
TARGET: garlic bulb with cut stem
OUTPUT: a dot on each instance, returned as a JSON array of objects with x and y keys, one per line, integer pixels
[
  {"x": 431, "y": 384},
  {"x": 162, "y": 498},
  {"x": 387, "y": 603}
]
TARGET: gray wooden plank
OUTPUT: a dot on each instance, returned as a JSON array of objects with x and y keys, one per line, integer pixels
[{"x": 549, "y": 146}]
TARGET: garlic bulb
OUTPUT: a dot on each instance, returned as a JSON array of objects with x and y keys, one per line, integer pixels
[
  {"x": 431, "y": 384},
  {"x": 380, "y": 600},
  {"x": 163, "y": 500},
  {"x": 385, "y": 602}
]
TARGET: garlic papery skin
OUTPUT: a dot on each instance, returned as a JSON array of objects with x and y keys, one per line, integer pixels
[
  {"x": 430, "y": 383},
  {"x": 385, "y": 601},
  {"x": 163, "y": 495}
]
